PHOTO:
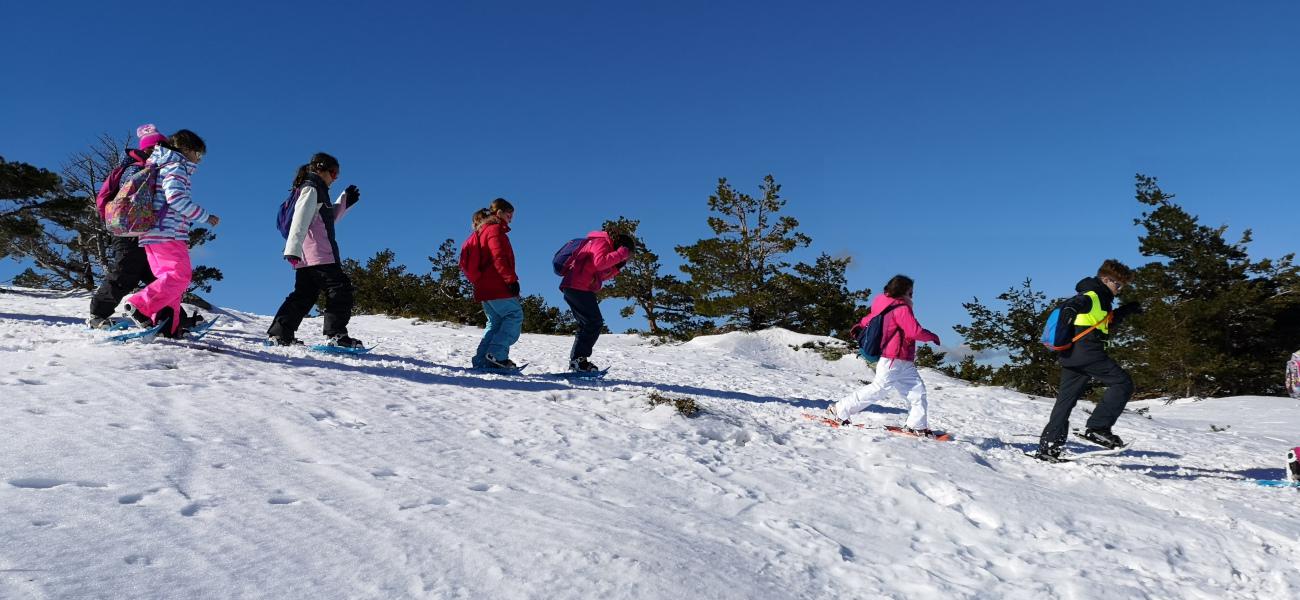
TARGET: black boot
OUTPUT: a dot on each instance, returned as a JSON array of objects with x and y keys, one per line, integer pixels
[
  {"x": 1103, "y": 437},
  {"x": 1048, "y": 452}
]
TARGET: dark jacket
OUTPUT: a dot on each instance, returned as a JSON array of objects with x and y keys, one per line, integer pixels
[{"x": 1092, "y": 347}]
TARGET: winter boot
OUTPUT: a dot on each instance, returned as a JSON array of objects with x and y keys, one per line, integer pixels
[
  {"x": 1048, "y": 452},
  {"x": 279, "y": 341},
  {"x": 140, "y": 318},
  {"x": 494, "y": 363},
  {"x": 343, "y": 341},
  {"x": 582, "y": 365},
  {"x": 99, "y": 323},
  {"x": 1103, "y": 437}
]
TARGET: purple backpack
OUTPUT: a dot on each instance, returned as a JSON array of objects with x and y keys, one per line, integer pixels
[
  {"x": 284, "y": 218},
  {"x": 563, "y": 260}
]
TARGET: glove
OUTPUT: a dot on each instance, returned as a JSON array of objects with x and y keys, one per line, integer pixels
[
  {"x": 293, "y": 260},
  {"x": 1129, "y": 309},
  {"x": 513, "y": 287},
  {"x": 352, "y": 195}
]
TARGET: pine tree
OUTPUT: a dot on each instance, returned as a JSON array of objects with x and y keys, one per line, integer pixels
[
  {"x": 1215, "y": 321},
  {"x": 24, "y": 191},
  {"x": 1030, "y": 367},
  {"x": 731, "y": 274},
  {"x": 453, "y": 294},
  {"x": 665, "y": 301},
  {"x": 816, "y": 298}
]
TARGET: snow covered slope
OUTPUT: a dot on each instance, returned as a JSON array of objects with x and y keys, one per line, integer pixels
[{"x": 228, "y": 469}]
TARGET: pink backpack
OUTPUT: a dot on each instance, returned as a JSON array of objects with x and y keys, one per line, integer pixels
[
  {"x": 1293, "y": 375},
  {"x": 131, "y": 213}
]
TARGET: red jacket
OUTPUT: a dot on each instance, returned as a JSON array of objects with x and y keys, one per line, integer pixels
[
  {"x": 593, "y": 263},
  {"x": 496, "y": 263}
]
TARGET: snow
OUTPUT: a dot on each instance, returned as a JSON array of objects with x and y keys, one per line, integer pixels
[{"x": 228, "y": 469}]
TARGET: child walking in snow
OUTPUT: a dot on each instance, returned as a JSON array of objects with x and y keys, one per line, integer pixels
[
  {"x": 598, "y": 259},
  {"x": 1086, "y": 359},
  {"x": 313, "y": 251},
  {"x": 166, "y": 247},
  {"x": 896, "y": 370},
  {"x": 488, "y": 261},
  {"x": 130, "y": 265}
]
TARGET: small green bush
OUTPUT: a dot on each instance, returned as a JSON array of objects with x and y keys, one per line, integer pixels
[{"x": 685, "y": 406}]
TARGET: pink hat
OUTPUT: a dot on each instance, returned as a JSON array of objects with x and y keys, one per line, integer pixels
[{"x": 149, "y": 136}]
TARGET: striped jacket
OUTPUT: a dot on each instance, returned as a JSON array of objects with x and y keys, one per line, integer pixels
[{"x": 174, "y": 172}]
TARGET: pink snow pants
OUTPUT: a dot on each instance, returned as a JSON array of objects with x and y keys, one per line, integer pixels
[{"x": 170, "y": 262}]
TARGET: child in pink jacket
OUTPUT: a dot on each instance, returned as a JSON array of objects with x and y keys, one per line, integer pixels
[
  {"x": 896, "y": 370},
  {"x": 597, "y": 260}
]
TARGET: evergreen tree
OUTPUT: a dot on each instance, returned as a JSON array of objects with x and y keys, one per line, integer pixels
[
  {"x": 665, "y": 301},
  {"x": 816, "y": 298},
  {"x": 1215, "y": 322},
  {"x": 1030, "y": 367},
  {"x": 383, "y": 287},
  {"x": 968, "y": 370},
  {"x": 732, "y": 273},
  {"x": 453, "y": 296},
  {"x": 928, "y": 357},
  {"x": 539, "y": 317}
]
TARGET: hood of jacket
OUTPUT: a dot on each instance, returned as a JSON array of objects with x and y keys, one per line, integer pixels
[
  {"x": 1092, "y": 284},
  {"x": 163, "y": 156}
]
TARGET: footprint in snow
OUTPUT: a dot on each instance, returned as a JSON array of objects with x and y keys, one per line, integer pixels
[
  {"x": 139, "y": 560},
  {"x": 281, "y": 500},
  {"x": 485, "y": 487}
]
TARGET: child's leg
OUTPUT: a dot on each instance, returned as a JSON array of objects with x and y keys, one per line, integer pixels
[
  {"x": 1119, "y": 388},
  {"x": 130, "y": 266},
  {"x": 489, "y": 332},
  {"x": 170, "y": 263},
  {"x": 511, "y": 314},
  {"x": 908, "y": 382},
  {"x": 864, "y": 396},
  {"x": 586, "y": 311},
  {"x": 338, "y": 299},
  {"x": 296, "y": 306},
  {"x": 1072, "y": 384}
]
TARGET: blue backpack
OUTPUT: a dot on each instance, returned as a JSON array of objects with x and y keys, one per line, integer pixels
[
  {"x": 564, "y": 256},
  {"x": 284, "y": 218},
  {"x": 1056, "y": 335},
  {"x": 871, "y": 338}
]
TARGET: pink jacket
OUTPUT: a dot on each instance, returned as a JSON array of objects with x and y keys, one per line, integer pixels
[
  {"x": 901, "y": 331},
  {"x": 594, "y": 262}
]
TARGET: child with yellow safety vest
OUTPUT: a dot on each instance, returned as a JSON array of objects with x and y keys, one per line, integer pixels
[{"x": 1087, "y": 320}]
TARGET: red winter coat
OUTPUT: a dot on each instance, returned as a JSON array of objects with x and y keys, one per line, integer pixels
[
  {"x": 495, "y": 262},
  {"x": 593, "y": 263}
]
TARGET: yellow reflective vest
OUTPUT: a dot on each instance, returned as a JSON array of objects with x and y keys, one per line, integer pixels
[{"x": 1096, "y": 316}]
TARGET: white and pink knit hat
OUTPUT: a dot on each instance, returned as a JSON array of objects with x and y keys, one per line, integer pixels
[{"x": 149, "y": 136}]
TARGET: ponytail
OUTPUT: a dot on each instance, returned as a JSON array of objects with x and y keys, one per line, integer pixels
[{"x": 299, "y": 177}]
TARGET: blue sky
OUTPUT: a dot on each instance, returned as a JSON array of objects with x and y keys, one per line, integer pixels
[{"x": 969, "y": 145}]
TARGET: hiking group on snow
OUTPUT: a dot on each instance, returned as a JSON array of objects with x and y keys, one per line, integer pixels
[{"x": 146, "y": 204}]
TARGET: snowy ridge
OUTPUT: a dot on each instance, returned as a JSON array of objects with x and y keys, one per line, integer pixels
[{"x": 226, "y": 469}]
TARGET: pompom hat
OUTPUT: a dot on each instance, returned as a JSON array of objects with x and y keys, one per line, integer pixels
[{"x": 149, "y": 136}]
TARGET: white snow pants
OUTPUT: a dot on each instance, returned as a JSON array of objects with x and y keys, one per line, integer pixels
[{"x": 896, "y": 375}]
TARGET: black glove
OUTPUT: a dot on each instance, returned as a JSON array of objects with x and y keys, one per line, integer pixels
[
  {"x": 624, "y": 240},
  {"x": 513, "y": 288},
  {"x": 1129, "y": 309},
  {"x": 352, "y": 195}
]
